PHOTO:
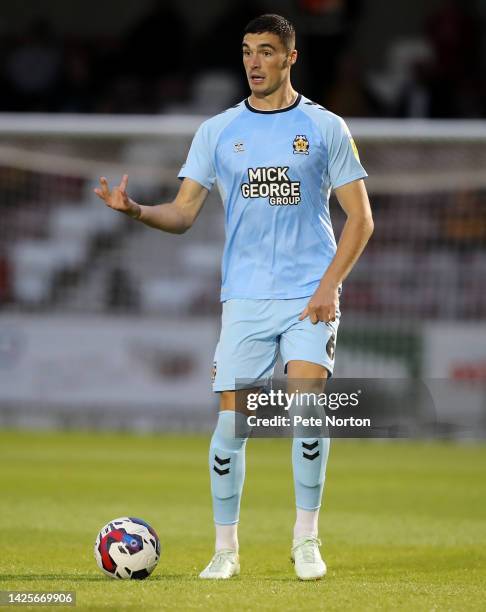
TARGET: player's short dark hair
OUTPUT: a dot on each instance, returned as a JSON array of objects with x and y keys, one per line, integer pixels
[{"x": 276, "y": 24}]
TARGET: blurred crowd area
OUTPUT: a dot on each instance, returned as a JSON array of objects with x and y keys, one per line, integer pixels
[
  {"x": 63, "y": 250},
  {"x": 159, "y": 65}
]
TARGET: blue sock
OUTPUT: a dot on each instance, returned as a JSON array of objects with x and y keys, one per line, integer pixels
[
  {"x": 309, "y": 459},
  {"x": 227, "y": 467}
]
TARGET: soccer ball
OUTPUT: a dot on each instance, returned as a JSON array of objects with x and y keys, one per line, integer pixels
[{"x": 127, "y": 548}]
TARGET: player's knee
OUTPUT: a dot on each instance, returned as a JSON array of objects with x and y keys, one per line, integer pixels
[{"x": 231, "y": 430}]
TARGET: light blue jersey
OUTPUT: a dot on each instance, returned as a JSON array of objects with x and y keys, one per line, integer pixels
[{"x": 275, "y": 171}]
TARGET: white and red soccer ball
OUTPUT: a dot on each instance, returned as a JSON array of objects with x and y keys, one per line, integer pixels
[{"x": 127, "y": 548}]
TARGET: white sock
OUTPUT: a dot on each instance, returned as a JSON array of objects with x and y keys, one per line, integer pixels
[
  {"x": 306, "y": 523},
  {"x": 226, "y": 537}
]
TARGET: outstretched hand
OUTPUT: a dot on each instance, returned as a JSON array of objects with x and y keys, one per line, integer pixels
[{"x": 117, "y": 198}]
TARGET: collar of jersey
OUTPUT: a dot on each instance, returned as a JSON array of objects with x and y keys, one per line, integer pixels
[{"x": 277, "y": 110}]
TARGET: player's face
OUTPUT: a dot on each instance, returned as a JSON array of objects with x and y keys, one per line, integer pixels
[{"x": 267, "y": 62}]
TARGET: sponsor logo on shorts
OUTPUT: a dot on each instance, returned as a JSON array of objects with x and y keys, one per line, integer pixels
[{"x": 331, "y": 347}]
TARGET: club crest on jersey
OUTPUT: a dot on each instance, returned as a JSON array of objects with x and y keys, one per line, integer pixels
[
  {"x": 238, "y": 147},
  {"x": 301, "y": 145}
]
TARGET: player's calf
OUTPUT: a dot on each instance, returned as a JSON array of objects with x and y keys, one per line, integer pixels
[
  {"x": 227, "y": 468},
  {"x": 309, "y": 459}
]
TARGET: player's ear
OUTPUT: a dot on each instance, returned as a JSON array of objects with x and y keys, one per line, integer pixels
[{"x": 292, "y": 57}]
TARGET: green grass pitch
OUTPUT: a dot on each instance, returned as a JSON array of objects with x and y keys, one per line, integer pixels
[{"x": 403, "y": 523}]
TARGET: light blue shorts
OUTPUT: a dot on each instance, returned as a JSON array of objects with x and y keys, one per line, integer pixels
[{"x": 253, "y": 332}]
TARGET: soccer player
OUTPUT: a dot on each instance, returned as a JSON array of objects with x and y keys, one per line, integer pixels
[{"x": 275, "y": 157}]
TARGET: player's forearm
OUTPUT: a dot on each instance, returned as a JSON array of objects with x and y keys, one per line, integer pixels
[
  {"x": 164, "y": 217},
  {"x": 354, "y": 237}
]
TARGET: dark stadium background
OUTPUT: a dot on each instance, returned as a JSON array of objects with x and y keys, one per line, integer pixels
[{"x": 150, "y": 57}]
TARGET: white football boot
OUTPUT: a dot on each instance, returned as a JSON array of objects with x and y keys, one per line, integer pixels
[
  {"x": 306, "y": 556},
  {"x": 223, "y": 565}
]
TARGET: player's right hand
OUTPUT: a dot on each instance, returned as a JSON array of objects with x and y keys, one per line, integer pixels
[{"x": 117, "y": 198}]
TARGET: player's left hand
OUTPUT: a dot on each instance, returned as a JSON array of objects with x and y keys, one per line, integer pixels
[{"x": 323, "y": 305}]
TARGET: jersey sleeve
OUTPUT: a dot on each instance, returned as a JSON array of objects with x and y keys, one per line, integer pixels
[
  {"x": 199, "y": 165},
  {"x": 344, "y": 165}
]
